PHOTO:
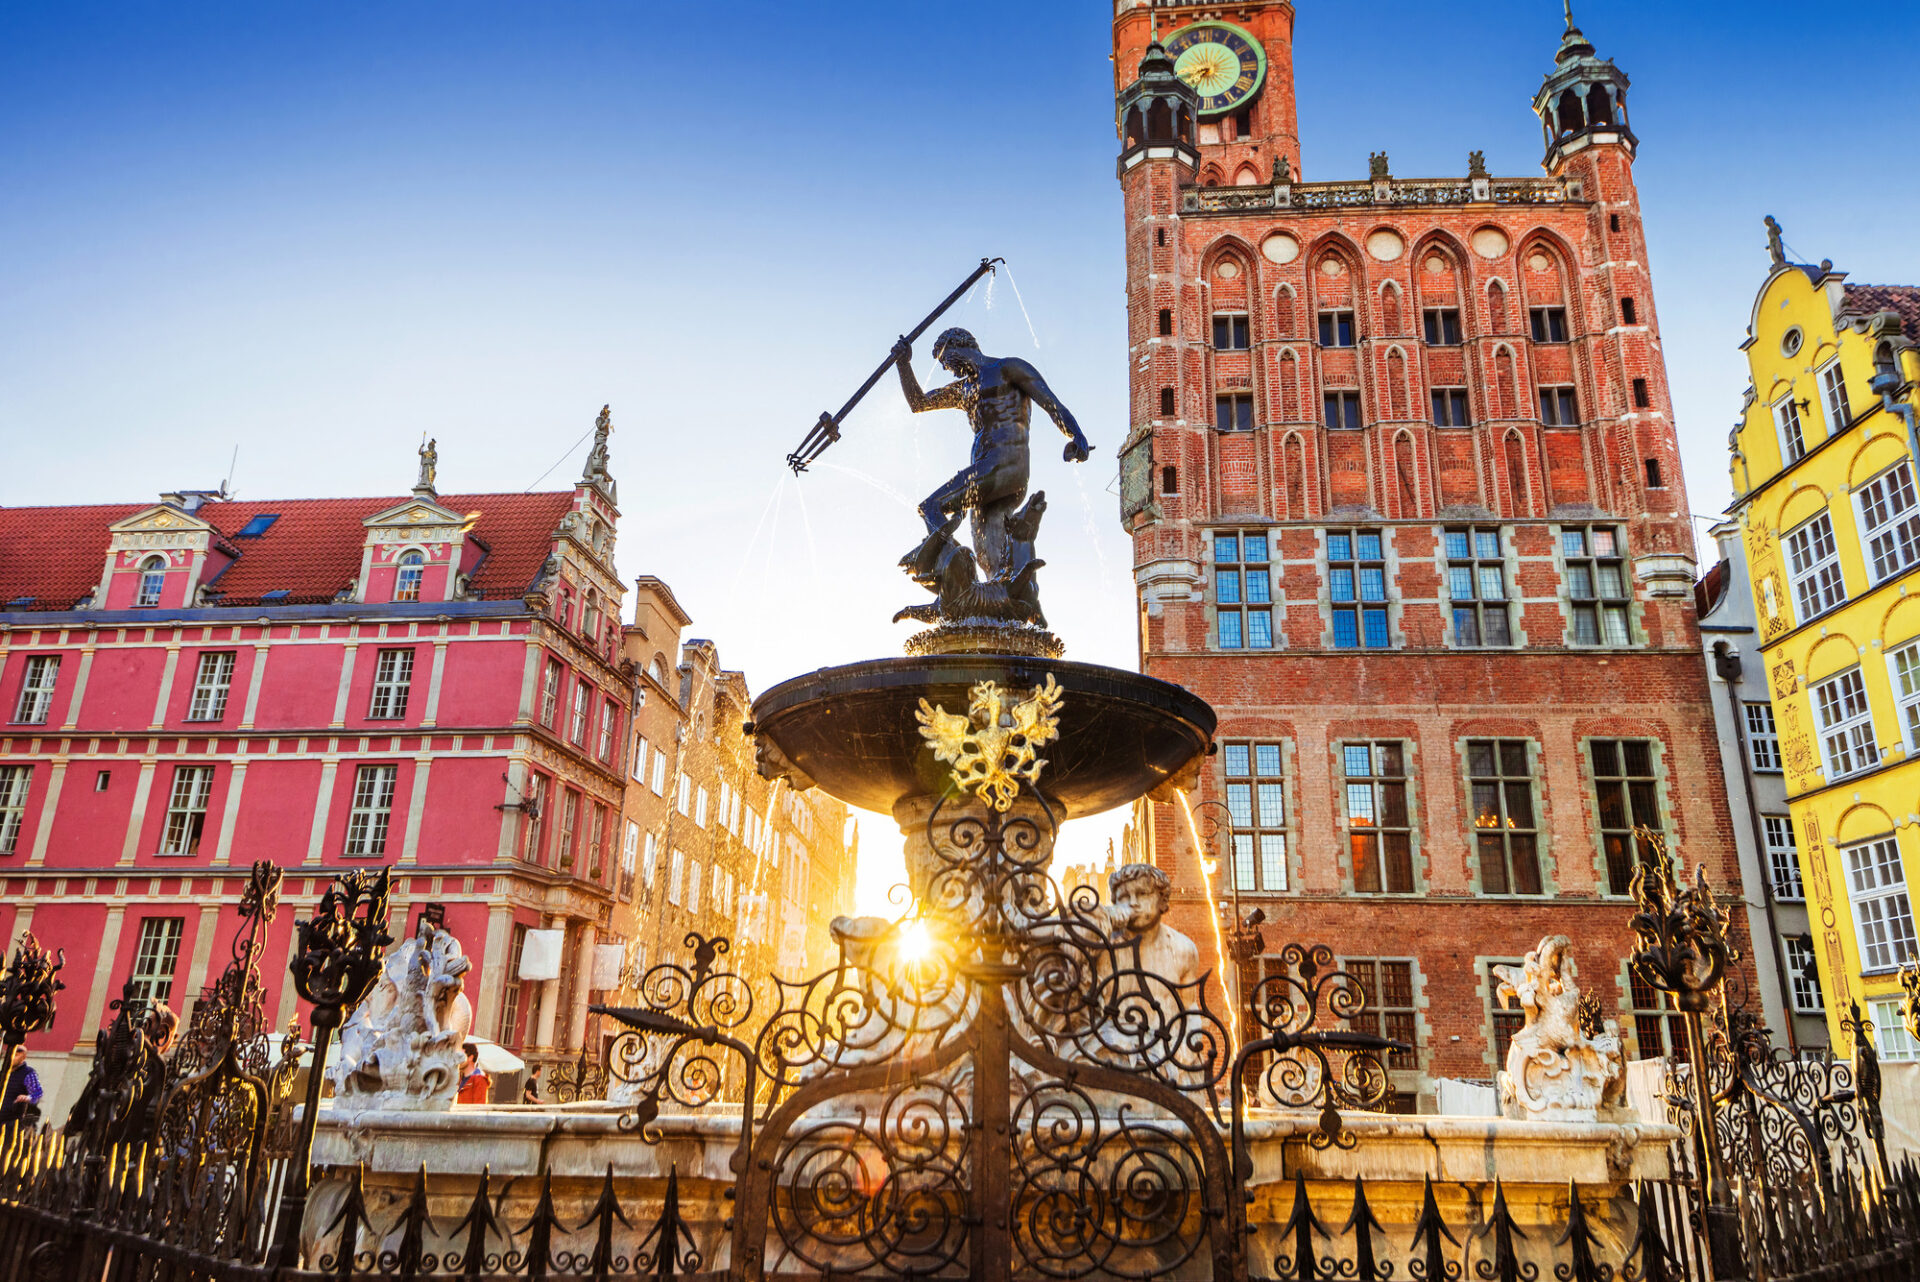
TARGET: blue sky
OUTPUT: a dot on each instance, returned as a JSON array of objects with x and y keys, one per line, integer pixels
[{"x": 315, "y": 231}]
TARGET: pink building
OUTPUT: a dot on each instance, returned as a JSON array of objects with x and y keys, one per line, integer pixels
[{"x": 431, "y": 681}]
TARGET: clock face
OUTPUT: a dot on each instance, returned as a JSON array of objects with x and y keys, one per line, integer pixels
[{"x": 1223, "y": 63}]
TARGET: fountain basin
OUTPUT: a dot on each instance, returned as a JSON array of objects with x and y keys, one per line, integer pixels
[{"x": 851, "y": 730}]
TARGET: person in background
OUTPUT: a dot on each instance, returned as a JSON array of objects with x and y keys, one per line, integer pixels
[
  {"x": 530, "y": 1093},
  {"x": 474, "y": 1082},
  {"x": 20, "y": 1097}
]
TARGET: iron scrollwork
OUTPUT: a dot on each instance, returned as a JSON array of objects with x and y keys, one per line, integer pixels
[{"x": 27, "y": 990}]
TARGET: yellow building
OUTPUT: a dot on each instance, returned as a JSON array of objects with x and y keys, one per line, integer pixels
[{"x": 1823, "y": 471}]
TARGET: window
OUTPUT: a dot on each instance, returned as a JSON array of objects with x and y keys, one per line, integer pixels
[
  {"x": 1904, "y": 668},
  {"x": 1833, "y": 394},
  {"x": 659, "y": 782},
  {"x": 1660, "y": 1029},
  {"x": 582, "y": 700},
  {"x": 650, "y": 864},
  {"x": 1342, "y": 411},
  {"x": 1507, "y": 1020},
  {"x": 676, "y": 874},
  {"x": 1783, "y": 859},
  {"x": 1169, "y": 480},
  {"x": 1896, "y": 1044},
  {"x": 1803, "y": 974},
  {"x": 640, "y": 758},
  {"x": 1629, "y": 314},
  {"x": 1169, "y": 404},
  {"x": 36, "y": 690},
  {"x": 1443, "y": 326},
  {"x": 1501, "y": 784},
  {"x": 683, "y": 794},
  {"x": 1233, "y": 412},
  {"x": 1559, "y": 407},
  {"x": 1890, "y": 522},
  {"x": 609, "y": 727},
  {"x": 256, "y": 526},
  {"x": 1763, "y": 740},
  {"x": 1627, "y": 799},
  {"x": 1613, "y": 222},
  {"x": 693, "y": 886},
  {"x": 1389, "y": 1010},
  {"x": 1242, "y": 590},
  {"x": 1357, "y": 583},
  {"x": 1786, "y": 420},
  {"x": 1641, "y": 397},
  {"x": 155, "y": 956},
  {"x": 550, "y": 693},
  {"x": 569, "y": 821},
  {"x": 596, "y": 837},
  {"x": 186, "y": 810},
  {"x": 531, "y": 806},
  {"x": 406, "y": 582},
  {"x": 1597, "y": 582},
  {"x": 1549, "y": 324},
  {"x": 1166, "y": 322},
  {"x": 700, "y": 807},
  {"x": 1336, "y": 329},
  {"x": 1450, "y": 407},
  {"x": 1882, "y": 915},
  {"x": 1477, "y": 582},
  {"x": 153, "y": 577},
  {"x": 1257, "y": 808},
  {"x": 510, "y": 1006},
  {"x": 13, "y": 805},
  {"x": 629, "y": 859},
  {"x": 212, "y": 680},
  {"x": 372, "y": 808},
  {"x": 101, "y": 778},
  {"x": 392, "y": 678},
  {"x": 1813, "y": 563},
  {"x": 1230, "y": 332},
  {"x": 1846, "y": 725},
  {"x": 1378, "y": 832},
  {"x": 1654, "y": 481}
]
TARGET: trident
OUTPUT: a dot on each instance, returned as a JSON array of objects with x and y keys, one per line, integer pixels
[{"x": 827, "y": 430}]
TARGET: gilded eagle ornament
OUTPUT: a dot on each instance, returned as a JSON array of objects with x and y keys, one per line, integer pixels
[{"x": 996, "y": 747}]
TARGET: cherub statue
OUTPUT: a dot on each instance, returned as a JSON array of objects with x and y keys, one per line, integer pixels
[{"x": 1555, "y": 1070}]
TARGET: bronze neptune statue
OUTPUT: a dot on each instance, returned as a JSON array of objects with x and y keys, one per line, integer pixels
[{"x": 990, "y": 586}]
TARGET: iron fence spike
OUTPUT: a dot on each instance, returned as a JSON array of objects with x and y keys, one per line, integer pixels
[{"x": 1361, "y": 1221}]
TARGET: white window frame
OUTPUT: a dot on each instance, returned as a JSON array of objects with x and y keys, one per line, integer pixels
[
  {"x": 1844, "y": 716},
  {"x": 153, "y": 581},
  {"x": 1803, "y": 976},
  {"x": 1813, "y": 567},
  {"x": 659, "y": 784},
  {"x": 683, "y": 794},
  {"x": 1783, "y": 858},
  {"x": 700, "y": 807},
  {"x": 409, "y": 573},
  {"x": 577, "y": 716},
  {"x": 1888, "y": 510},
  {"x": 550, "y": 693},
  {"x": 15, "y": 782},
  {"x": 392, "y": 683},
  {"x": 212, "y": 683},
  {"x": 1790, "y": 430},
  {"x": 37, "y": 685},
  {"x": 608, "y": 716},
  {"x": 640, "y": 759},
  {"x": 156, "y": 957},
  {"x": 1882, "y": 911},
  {"x": 1763, "y": 736},
  {"x": 629, "y": 858},
  {"x": 1833, "y": 396},
  {"x": 186, "y": 819},
  {"x": 1903, "y": 673},
  {"x": 676, "y": 874},
  {"x": 1893, "y": 1043},
  {"x": 370, "y": 812}
]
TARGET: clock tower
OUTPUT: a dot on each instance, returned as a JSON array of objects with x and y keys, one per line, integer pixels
[{"x": 1405, "y": 500}]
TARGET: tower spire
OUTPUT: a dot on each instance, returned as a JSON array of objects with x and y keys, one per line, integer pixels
[{"x": 1568, "y": 6}]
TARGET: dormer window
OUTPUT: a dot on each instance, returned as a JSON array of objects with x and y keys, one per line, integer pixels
[
  {"x": 153, "y": 577},
  {"x": 406, "y": 584}
]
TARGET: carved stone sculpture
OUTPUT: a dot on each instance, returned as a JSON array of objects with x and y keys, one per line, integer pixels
[
  {"x": 400, "y": 1049},
  {"x": 1560, "y": 1066}
]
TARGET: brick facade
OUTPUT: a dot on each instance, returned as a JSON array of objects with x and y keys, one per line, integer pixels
[{"x": 1469, "y": 370}]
